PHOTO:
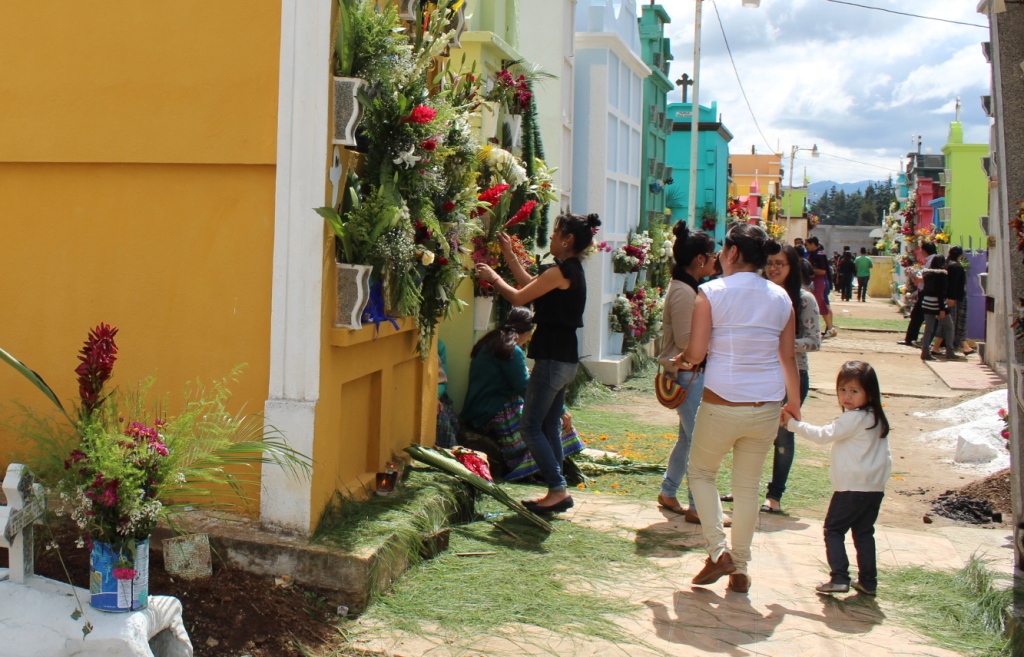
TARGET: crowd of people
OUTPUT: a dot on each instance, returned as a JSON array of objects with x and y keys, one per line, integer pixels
[{"x": 738, "y": 324}]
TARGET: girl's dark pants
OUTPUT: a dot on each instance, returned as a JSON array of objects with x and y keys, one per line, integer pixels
[{"x": 856, "y": 511}]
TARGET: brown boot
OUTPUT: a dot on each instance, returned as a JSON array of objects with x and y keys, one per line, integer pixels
[
  {"x": 713, "y": 571},
  {"x": 691, "y": 516},
  {"x": 739, "y": 582}
]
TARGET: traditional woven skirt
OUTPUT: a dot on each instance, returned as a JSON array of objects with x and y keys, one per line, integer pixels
[{"x": 518, "y": 459}]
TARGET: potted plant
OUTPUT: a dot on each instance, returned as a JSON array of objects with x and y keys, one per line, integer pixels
[
  {"x": 121, "y": 464},
  {"x": 353, "y": 277}
]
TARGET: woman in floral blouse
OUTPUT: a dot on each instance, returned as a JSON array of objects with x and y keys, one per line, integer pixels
[{"x": 784, "y": 269}]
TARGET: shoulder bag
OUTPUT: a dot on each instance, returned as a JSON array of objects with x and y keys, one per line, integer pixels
[{"x": 670, "y": 393}]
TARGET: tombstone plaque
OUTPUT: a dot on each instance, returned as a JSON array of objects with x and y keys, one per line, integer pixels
[{"x": 188, "y": 557}]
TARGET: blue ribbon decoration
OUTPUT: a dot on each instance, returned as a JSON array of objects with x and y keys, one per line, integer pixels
[{"x": 375, "y": 307}]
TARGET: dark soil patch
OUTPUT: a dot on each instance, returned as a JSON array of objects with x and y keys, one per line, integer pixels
[
  {"x": 994, "y": 488},
  {"x": 964, "y": 509},
  {"x": 230, "y": 614}
]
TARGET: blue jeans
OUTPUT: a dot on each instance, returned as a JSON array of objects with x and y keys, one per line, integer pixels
[
  {"x": 785, "y": 448},
  {"x": 542, "y": 415},
  {"x": 680, "y": 456}
]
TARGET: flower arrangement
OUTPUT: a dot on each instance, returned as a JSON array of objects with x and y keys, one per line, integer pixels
[
  {"x": 488, "y": 252},
  {"x": 942, "y": 237},
  {"x": 708, "y": 219},
  {"x": 620, "y": 319},
  {"x": 813, "y": 221},
  {"x": 646, "y": 308},
  {"x": 632, "y": 256},
  {"x": 736, "y": 211},
  {"x": 513, "y": 92},
  {"x": 1005, "y": 432},
  {"x": 1017, "y": 226},
  {"x": 120, "y": 464},
  {"x": 774, "y": 229}
]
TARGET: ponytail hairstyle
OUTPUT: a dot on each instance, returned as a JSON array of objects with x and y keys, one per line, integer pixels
[
  {"x": 794, "y": 279},
  {"x": 582, "y": 228},
  {"x": 861, "y": 373},
  {"x": 753, "y": 243},
  {"x": 502, "y": 340},
  {"x": 688, "y": 245},
  {"x": 806, "y": 271}
]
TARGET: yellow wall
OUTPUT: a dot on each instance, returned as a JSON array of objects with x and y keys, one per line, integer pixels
[
  {"x": 766, "y": 167},
  {"x": 137, "y": 153}
]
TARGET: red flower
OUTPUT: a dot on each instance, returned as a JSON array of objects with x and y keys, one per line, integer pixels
[
  {"x": 97, "y": 356},
  {"x": 124, "y": 573},
  {"x": 522, "y": 215},
  {"x": 429, "y": 145},
  {"x": 420, "y": 114},
  {"x": 491, "y": 197},
  {"x": 473, "y": 463},
  {"x": 442, "y": 261},
  {"x": 448, "y": 206}
]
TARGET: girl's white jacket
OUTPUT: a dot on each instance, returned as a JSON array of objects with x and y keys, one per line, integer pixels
[{"x": 860, "y": 460}]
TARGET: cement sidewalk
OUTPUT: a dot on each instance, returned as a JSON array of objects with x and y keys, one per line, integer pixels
[{"x": 781, "y": 616}]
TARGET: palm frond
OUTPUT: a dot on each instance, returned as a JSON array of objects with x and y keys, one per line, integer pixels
[
  {"x": 441, "y": 461},
  {"x": 34, "y": 379}
]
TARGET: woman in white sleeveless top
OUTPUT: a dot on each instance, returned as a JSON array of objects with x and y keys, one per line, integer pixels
[{"x": 745, "y": 326}]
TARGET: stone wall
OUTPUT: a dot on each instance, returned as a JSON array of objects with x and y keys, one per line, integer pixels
[{"x": 834, "y": 238}]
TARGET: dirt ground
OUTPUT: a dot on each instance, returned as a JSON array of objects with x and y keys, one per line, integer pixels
[{"x": 230, "y": 614}]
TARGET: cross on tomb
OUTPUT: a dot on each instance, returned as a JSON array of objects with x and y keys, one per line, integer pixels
[
  {"x": 684, "y": 82},
  {"x": 25, "y": 504}
]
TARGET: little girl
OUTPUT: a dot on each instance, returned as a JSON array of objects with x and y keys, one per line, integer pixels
[{"x": 859, "y": 467}]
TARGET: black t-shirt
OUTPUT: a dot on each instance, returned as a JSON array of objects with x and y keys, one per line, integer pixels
[
  {"x": 957, "y": 282},
  {"x": 558, "y": 314}
]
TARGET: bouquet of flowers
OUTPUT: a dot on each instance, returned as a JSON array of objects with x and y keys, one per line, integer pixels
[
  {"x": 512, "y": 92},
  {"x": 625, "y": 259},
  {"x": 812, "y": 221},
  {"x": 488, "y": 252},
  {"x": 942, "y": 237},
  {"x": 736, "y": 211},
  {"x": 1005, "y": 433},
  {"x": 646, "y": 311},
  {"x": 774, "y": 229},
  {"x": 620, "y": 319}
]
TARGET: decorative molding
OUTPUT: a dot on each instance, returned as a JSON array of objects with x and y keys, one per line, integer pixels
[{"x": 612, "y": 41}]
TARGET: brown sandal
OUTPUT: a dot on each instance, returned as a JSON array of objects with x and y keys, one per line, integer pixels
[{"x": 676, "y": 508}]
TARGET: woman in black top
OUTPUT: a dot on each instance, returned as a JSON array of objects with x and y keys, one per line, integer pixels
[
  {"x": 847, "y": 273},
  {"x": 933, "y": 304},
  {"x": 956, "y": 300},
  {"x": 558, "y": 294}
]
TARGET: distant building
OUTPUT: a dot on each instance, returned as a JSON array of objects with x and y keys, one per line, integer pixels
[
  {"x": 966, "y": 189},
  {"x": 745, "y": 169},
  {"x": 712, "y": 164},
  {"x": 657, "y": 53}
]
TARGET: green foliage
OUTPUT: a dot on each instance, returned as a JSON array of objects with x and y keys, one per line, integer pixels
[
  {"x": 836, "y": 207},
  {"x": 34, "y": 379},
  {"x": 962, "y": 610}
]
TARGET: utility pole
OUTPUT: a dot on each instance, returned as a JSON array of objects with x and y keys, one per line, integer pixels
[{"x": 691, "y": 202}]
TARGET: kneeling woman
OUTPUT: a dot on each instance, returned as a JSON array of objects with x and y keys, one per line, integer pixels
[
  {"x": 498, "y": 379},
  {"x": 559, "y": 295}
]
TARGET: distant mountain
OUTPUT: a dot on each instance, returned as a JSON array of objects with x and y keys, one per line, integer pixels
[{"x": 816, "y": 189}]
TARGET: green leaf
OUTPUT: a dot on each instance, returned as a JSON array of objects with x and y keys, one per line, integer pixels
[
  {"x": 86, "y": 629},
  {"x": 76, "y": 614},
  {"x": 33, "y": 378}
]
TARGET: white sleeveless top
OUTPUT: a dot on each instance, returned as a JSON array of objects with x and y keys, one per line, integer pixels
[{"x": 748, "y": 314}]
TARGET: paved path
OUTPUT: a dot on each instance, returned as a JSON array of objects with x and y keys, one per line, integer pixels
[{"x": 781, "y": 615}]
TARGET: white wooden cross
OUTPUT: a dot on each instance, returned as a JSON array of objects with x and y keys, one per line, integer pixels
[{"x": 26, "y": 503}]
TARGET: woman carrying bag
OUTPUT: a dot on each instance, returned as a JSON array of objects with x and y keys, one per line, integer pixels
[{"x": 694, "y": 255}]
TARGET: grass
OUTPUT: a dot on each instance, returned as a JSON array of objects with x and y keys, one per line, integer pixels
[
  {"x": 962, "y": 610},
  {"x": 897, "y": 325},
  {"x": 563, "y": 582},
  {"x": 608, "y": 428}
]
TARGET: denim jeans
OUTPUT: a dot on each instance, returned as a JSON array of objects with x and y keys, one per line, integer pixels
[
  {"x": 785, "y": 449},
  {"x": 542, "y": 414},
  {"x": 856, "y": 511},
  {"x": 862, "y": 287},
  {"x": 677, "y": 461}
]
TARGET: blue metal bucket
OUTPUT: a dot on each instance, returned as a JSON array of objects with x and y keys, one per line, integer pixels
[{"x": 108, "y": 593}]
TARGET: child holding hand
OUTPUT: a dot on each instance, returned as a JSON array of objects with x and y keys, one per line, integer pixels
[{"x": 859, "y": 466}]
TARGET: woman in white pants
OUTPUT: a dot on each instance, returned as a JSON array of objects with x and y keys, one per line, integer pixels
[{"x": 745, "y": 326}]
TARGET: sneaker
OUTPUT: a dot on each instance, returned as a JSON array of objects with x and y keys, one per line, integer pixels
[
  {"x": 863, "y": 589},
  {"x": 739, "y": 582},
  {"x": 832, "y": 587},
  {"x": 832, "y": 332},
  {"x": 714, "y": 571}
]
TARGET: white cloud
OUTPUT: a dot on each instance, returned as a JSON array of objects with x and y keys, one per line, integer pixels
[{"x": 858, "y": 83}]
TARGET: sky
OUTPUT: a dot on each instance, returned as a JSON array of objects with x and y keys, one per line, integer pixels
[{"x": 857, "y": 83}]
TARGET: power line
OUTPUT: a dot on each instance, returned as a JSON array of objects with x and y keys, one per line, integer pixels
[
  {"x": 867, "y": 164},
  {"x": 903, "y": 13},
  {"x": 738, "y": 81}
]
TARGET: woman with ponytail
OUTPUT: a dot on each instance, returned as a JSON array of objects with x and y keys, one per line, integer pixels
[
  {"x": 559, "y": 295},
  {"x": 746, "y": 328},
  {"x": 498, "y": 380},
  {"x": 694, "y": 255}
]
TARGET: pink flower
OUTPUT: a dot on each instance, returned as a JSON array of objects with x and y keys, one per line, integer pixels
[
  {"x": 1002, "y": 413},
  {"x": 158, "y": 447},
  {"x": 124, "y": 573},
  {"x": 420, "y": 114}
]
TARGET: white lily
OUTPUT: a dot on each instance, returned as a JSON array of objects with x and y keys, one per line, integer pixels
[{"x": 408, "y": 159}]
